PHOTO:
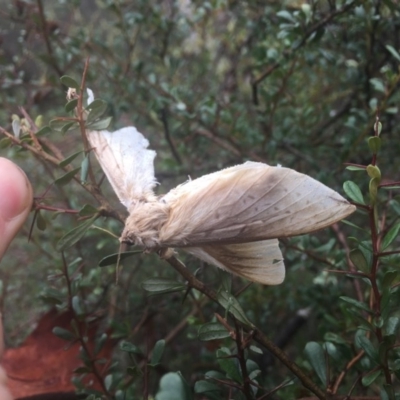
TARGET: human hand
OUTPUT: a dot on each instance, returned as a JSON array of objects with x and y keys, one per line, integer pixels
[{"x": 15, "y": 204}]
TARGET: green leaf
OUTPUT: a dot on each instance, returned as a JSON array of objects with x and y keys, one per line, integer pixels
[
  {"x": 97, "y": 109},
  {"x": 229, "y": 302},
  {"x": 374, "y": 144},
  {"x": 67, "y": 127},
  {"x": 100, "y": 125},
  {"x": 358, "y": 259},
  {"x": 354, "y": 168},
  {"x": 212, "y": 331},
  {"x": 373, "y": 189},
  {"x": 87, "y": 210},
  {"x": 356, "y": 303},
  {"x": 113, "y": 258},
  {"x": 390, "y": 236},
  {"x": 73, "y": 236},
  {"x": 374, "y": 172},
  {"x": 368, "y": 379},
  {"x": 43, "y": 131},
  {"x": 229, "y": 365},
  {"x": 40, "y": 221},
  {"x": 130, "y": 348},
  {"x": 353, "y": 191},
  {"x": 394, "y": 187},
  {"x": 108, "y": 380},
  {"x": 255, "y": 349},
  {"x": 69, "y": 82},
  {"x": 99, "y": 343},
  {"x": 77, "y": 306},
  {"x": 58, "y": 124},
  {"x": 71, "y": 105},
  {"x": 363, "y": 342},
  {"x": 389, "y": 278},
  {"x": 84, "y": 169},
  {"x": 63, "y": 333},
  {"x": 66, "y": 178},
  {"x": 205, "y": 386},
  {"x": 69, "y": 159},
  {"x": 158, "y": 351},
  {"x": 163, "y": 285},
  {"x": 316, "y": 355},
  {"x": 392, "y": 326},
  {"x": 173, "y": 387},
  {"x": 393, "y": 52}
]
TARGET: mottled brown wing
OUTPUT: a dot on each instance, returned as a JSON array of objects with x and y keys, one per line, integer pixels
[
  {"x": 247, "y": 203},
  {"x": 260, "y": 262}
]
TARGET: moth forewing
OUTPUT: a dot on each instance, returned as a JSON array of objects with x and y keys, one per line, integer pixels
[{"x": 247, "y": 203}]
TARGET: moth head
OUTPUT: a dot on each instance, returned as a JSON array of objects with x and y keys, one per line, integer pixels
[{"x": 133, "y": 237}]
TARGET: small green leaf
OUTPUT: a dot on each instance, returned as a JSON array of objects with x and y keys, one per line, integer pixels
[
  {"x": 43, "y": 131},
  {"x": 393, "y": 52},
  {"x": 374, "y": 172},
  {"x": 16, "y": 127},
  {"x": 358, "y": 259},
  {"x": 77, "y": 306},
  {"x": 40, "y": 221},
  {"x": 163, "y": 285},
  {"x": 84, "y": 169},
  {"x": 99, "y": 343},
  {"x": 394, "y": 187},
  {"x": 69, "y": 159},
  {"x": 354, "y": 168},
  {"x": 100, "y": 125},
  {"x": 68, "y": 126},
  {"x": 212, "y": 331},
  {"x": 4, "y": 143},
  {"x": 71, "y": 105},
  {"x": 73, "y": 236},
  {"x": 355, "y": 303},
  {"x": 113, "y": 258},
  {"x": 363, "y": 342},
  {"x": 108, "y": 380},
  {"x": 205, "y": 386},
  {"x": 353, "y": 191},
  {"x": 173, "y": 387},
  {"x": 158, "y": 351},
  {"x": 255, "y": 349},
  {"x": 368, "y": 379},
  {"x": 69, "y": 82},
  {"x": 374, "y": 144},
  {"x": 97, "y": 109},
  {"x": 57, "y": 124},
  {"x": 130, "y": 348},
  {"x": 389, "y": 278},
  {"x": 316, "y": 355},
  {"x": 87, "y": 210},
  {"x": 229, "y": 302},
  {"x": 229, "y": 365},
  {"x": 392, "y": 326},
  {"x": 390, "y": 236},
  {"x": 66, "y": 178},
  {"x": 373, "y": 189},
  {"x": 63, "y": 333}
]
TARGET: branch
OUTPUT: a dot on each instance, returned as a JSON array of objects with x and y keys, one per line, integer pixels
[{"x": 257, "y": 334}]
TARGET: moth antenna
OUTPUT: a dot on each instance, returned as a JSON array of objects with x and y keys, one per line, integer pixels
[{"x": 118, "y": 261}]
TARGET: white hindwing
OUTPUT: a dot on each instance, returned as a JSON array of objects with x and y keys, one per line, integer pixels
[
  {"x": 128, "y": 164},
  {"x": 260, "y": 262}
]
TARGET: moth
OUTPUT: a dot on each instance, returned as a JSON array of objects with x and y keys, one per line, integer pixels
[{"x": 231, "y": 218}]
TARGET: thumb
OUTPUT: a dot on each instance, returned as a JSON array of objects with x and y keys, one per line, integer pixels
[{"x": 15, "y": 201}]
